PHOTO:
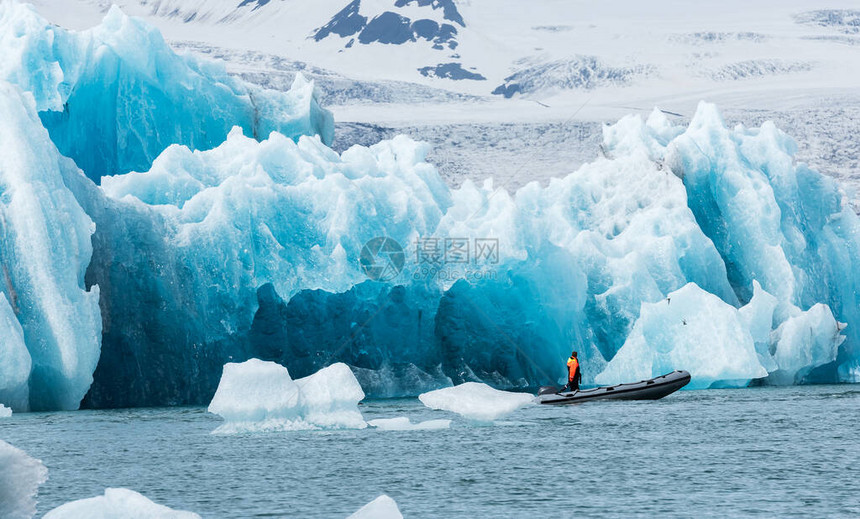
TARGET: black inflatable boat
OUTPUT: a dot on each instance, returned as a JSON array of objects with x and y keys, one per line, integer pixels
[{"x": 650, "y": 389}]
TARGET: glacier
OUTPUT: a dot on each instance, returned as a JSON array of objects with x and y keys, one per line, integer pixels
[
  {"x": 50, "y": 320},
  {"x": 194, "y": 238},
  {"x": 19, "y": 482}
]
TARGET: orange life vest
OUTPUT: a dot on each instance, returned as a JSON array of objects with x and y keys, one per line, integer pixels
[{"x": 572, "y": 366}]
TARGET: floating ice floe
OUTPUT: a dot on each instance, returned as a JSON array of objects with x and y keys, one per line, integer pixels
[
  {"x": 261, "y": 396},
  {"x": 476, "y": 401},
  {"x": 117, "y": 503},
  {"x": 20, "y": 477},
  {"x": 5, "y": 412},
  {"x": 383, "y": 507},
  {"x": 403, "y": 423}
]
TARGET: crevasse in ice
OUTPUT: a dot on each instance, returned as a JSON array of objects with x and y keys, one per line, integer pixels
[{"x": 252, "y": 249}]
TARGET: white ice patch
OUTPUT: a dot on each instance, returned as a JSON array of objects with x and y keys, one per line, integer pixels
[
  {"x": 20, "y": 477},
  {"x": 403, "y": 423},
  {"x": 383, "y": 507},
  {"x": 476, "y": 401},
  {"x": 5, "y": 412},
  {"x": 117, "y": 503},
  {"x": 256, "y": 396}
]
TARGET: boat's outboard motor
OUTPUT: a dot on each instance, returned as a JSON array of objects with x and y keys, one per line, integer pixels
[{"x": 547, "y": 390}]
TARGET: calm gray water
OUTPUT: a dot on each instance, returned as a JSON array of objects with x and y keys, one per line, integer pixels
[{"x": 771, "y": 452}]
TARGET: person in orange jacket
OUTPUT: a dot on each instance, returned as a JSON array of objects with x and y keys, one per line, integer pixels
[{"x": 574, "y": 375}]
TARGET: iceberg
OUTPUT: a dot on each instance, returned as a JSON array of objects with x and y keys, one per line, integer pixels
[
  {"x": 723, "y": 346},
  {"x": 403, "y": 423},
  {"x": 115, "y": 96},
  {"x": 383, "y": 507},
  {"x": 576, "y": 262},
  {"x": 20, "y": 479},
  {"x": 692, "y": 330},
  {"x": 255, "y": 391},
  {"x": 117, "y": 503},
  {"x": 5, "y": 412},
  {"x": 209, "y": 236},
  {"x": 15, "y": 361},
  {"x": 805, "y": 341},
  {"x": 45, "y": 248},
  {"x": 773, "y": 220},
  {"x": 330, "y": 398},
  {"x": 476, "y": 401},
  {"x": 261, "y": 396}
]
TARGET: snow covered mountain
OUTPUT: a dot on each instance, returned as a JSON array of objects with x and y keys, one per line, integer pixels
[
  {"x": 527, "y": 75},
  {"x": 540, "y": 48}
]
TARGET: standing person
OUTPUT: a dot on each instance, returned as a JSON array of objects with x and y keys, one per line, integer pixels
[{"x": 574, "y": 375}]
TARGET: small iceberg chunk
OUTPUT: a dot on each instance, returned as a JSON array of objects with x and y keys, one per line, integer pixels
[
  {"x": 476, "y": 401},
  {"x": 383, "y": 507},
  {"x": 255, "y": 391},
  {"x": 117, "y": 503},
  {"x": 5, "y": 412},
  {"x": 403, "y": 423},
  {"x": 329, "y": 398},
  {"x": 20, "y": 477},
  {"x": 258, "y": 396}
]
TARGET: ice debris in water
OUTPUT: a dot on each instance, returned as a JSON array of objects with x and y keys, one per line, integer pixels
[
  {"x": 383, "y": 507},
  {"x": 20, "y": 477},
  {"x": 403, "y": 423},
  {"x": 5, "y": 412},
  {"x": 261, "y": 396},
  {"x": 117, "y": 503},
  {"x": 476, "y": 401}
]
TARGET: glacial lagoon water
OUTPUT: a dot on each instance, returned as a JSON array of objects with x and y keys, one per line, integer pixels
[{"x": 768, "y": 452}]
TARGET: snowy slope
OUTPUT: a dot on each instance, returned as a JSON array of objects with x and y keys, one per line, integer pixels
[
  {"x": 542, "y": 47},
  {"x": 567, "y": 65}
]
